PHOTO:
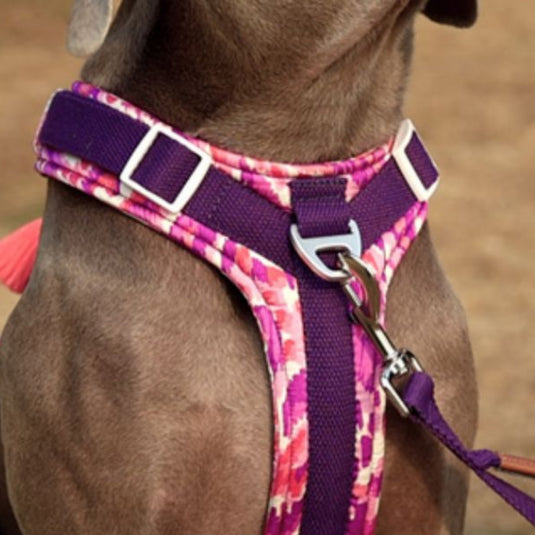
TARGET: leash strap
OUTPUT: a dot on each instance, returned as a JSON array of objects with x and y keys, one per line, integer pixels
[
  {"x": 417, "y": 400},
  {"x": 419, "y": 397}
]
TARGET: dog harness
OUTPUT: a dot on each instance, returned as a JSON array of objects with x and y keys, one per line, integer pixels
[{"x": 313, "y": 249}]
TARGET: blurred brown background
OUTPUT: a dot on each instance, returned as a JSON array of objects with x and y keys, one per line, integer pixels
[{"x": 472, "y": 96}]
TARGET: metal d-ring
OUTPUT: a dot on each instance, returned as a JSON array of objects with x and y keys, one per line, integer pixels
[{"x": 309, "y": 249}]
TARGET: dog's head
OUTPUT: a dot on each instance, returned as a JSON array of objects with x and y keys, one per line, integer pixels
[{"x": 91, "y": 19}]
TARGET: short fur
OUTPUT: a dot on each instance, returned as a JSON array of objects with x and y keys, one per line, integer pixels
[{"x": 135, "y": 397}]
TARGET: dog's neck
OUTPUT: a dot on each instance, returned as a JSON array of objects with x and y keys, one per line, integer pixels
[{"x": 294, "y": 87}]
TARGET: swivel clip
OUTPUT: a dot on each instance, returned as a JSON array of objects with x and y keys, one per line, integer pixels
[{"x": 365, "y": 311}]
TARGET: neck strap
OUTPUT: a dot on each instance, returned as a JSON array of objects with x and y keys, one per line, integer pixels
[{"x": 173, "y": 176}]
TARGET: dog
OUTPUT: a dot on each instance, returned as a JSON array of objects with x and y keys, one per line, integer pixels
[{"x": 98, "y": 304}]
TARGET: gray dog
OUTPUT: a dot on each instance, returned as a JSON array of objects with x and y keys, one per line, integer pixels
[{"x": 83, "y": 406}]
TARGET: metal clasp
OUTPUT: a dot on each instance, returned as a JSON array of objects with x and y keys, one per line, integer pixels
[
  {"x": 366, "y": 312},
  {"x": 401, "y": 363},
  {"x": 309, "y": 248}
]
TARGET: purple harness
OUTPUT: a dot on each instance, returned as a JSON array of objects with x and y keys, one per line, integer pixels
[{"x": 310, "y": 273}]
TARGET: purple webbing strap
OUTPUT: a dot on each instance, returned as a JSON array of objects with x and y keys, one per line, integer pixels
[
  {"x": 419, "y": 397},
  {"x": 321, "y": 210}
]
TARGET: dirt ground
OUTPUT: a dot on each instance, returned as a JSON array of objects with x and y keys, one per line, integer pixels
[{"x": 472, "y": 97}]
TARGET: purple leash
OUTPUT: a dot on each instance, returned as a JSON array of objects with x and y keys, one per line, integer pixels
[
  {"x": 419, "y": 398},
  {"x": 417, "y": 401}
]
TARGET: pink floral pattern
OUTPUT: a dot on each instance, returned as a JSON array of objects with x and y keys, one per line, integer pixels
[{"x": 273, "y": 296}]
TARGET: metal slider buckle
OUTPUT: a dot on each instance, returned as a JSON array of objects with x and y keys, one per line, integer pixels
[
  {"x": 191, "y": 185},
  {"x": 399, "y": 153}
]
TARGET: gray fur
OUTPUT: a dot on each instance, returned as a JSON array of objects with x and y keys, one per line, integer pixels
[{"x": 135, "y": 397}]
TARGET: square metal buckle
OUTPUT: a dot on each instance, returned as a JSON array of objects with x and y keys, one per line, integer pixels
[
  {"x": 191, "y": 185},
  {"x": 403, "y": 138}
]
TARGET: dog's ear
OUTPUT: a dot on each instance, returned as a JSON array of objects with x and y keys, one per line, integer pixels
[
  {"x": 88, "y": 26},
  {"x": 462, "y": 13}
]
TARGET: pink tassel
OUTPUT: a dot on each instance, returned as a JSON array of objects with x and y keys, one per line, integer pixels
[{"x": 18, "y": 252}]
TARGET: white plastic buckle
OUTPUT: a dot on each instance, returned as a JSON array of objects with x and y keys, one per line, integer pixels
[
  {"x": 403, "y": 138},
  {"x": 191, "y": 185}
]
